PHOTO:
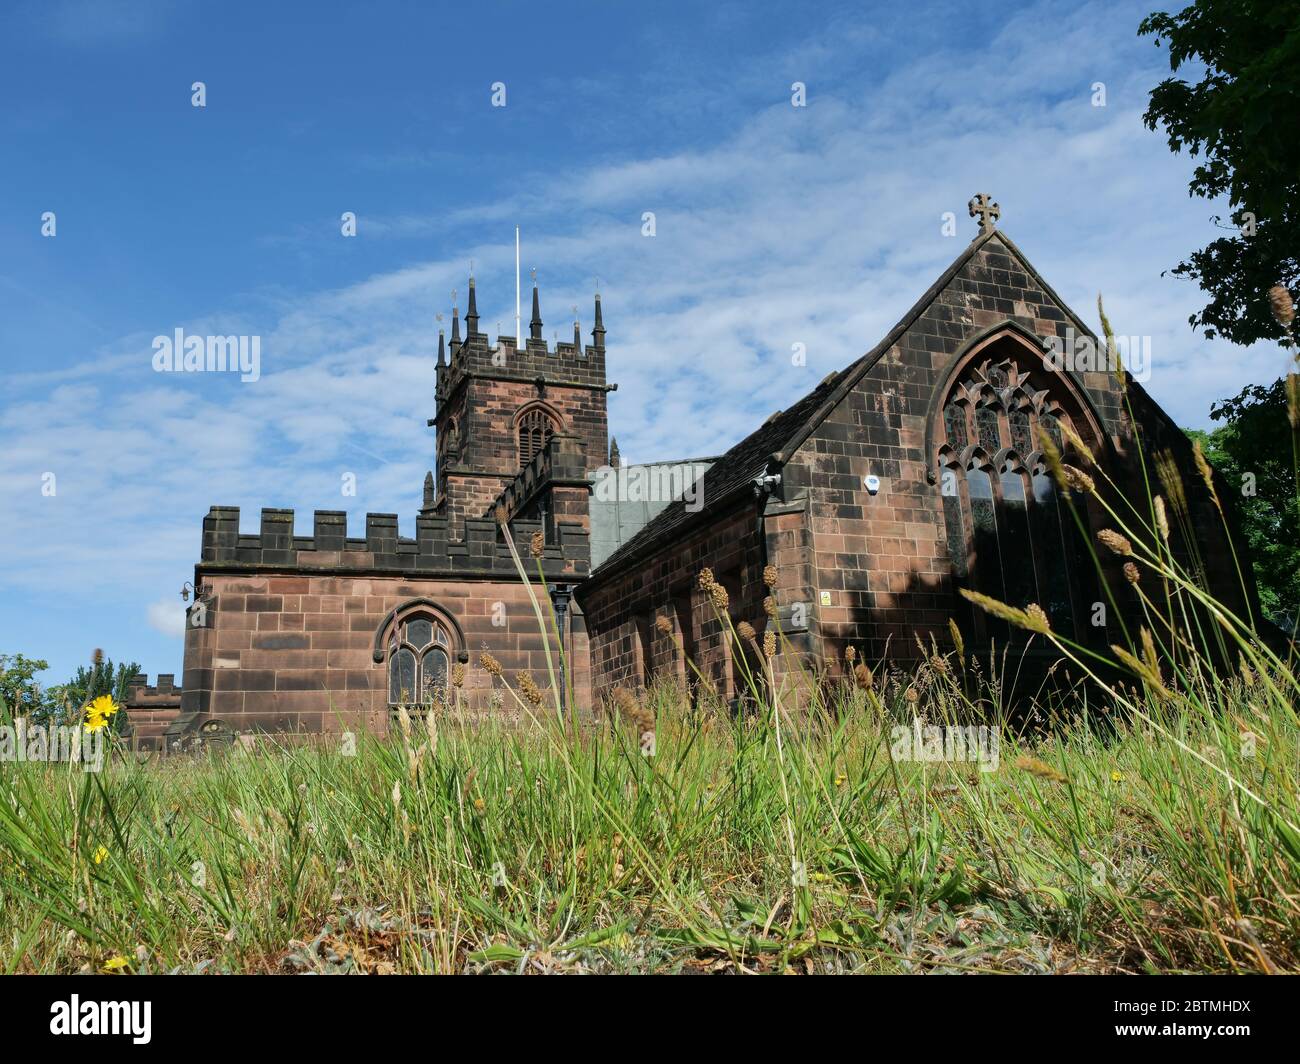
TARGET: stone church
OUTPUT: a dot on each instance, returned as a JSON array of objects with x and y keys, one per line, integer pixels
[{"x": 896, "y": 481}]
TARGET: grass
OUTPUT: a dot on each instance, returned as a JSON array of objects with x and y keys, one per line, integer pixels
[{"x": 1125, "y": 846}]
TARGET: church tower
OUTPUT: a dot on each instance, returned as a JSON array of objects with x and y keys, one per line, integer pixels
[{"x": 500, "y": 405}]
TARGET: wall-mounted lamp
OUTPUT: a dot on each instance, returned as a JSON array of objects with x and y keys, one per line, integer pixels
[{"x": 187, "y": 588}]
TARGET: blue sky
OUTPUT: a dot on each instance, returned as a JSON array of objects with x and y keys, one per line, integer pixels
[{"x": 775, "y": 225}]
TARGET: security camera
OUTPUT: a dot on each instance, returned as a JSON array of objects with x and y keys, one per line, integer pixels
[{"x": 872, "y": 484}]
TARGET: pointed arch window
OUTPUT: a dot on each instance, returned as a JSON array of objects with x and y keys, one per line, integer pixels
[
  {"x": 1009, "y": 534},
  {"x": 535, "y": 430},
  {"x": 419, "y": 660}
]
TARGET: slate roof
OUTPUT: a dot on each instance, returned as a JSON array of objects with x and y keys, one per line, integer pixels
[
  {"x": 777, "y": 439},
  {"x": 731, "y": 474}
]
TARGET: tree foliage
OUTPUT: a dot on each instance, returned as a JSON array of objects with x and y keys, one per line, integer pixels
[
  {"x": 1241, "y": 118},
  {"x": 21, "y": 693},
  {"x": 63, "y": 703},
  {"x": 1252, "y": 449}
]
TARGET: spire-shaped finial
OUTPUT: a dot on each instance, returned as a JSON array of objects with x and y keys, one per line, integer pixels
[
  {"x": 598, "y": 331},
  {"x": 428, "y": 490},
  {"x": 577, "y": 332},
  {"x": 455, "y": 326},
  {"x": 615, "y": 459},
  {"x": 471, "y": 313},
  {"x": 535, "y": 326},
  {"x": 442, "y": 354}
]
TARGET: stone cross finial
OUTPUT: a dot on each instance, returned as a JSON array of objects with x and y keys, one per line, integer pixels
[{"x": 982, "y": 205}]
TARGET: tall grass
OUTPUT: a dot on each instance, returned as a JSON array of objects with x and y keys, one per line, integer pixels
[{"x": 1129, "y": 844}]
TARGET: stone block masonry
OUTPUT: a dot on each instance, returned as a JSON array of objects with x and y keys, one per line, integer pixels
[{"x": 291, "y": 632}]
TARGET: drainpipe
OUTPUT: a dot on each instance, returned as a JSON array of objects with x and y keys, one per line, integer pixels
[
  {"x": 764, "y": 485},
  {"x": 560, "y": 596}
]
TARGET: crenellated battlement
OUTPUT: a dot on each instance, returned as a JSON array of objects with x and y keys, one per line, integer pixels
[
  {"x": 564, "y": 364},
  {"x": 138, "y": 688},
  {"x": 482, "y": 550},
  {"x": 560, "y": 464}
]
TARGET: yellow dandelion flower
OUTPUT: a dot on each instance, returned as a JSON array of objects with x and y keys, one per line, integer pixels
[
  {"x": 1116, "y": 777},
  {"x": 100, "y": 855},
  {"x": 116, "y": 963},
  {"x": 98, "y": 712}
]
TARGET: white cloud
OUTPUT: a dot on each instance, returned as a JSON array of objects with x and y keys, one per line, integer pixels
[{"x": 167, "y": 616}]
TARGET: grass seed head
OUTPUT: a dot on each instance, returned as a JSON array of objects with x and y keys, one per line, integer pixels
[
  {"x": 633, "y": 711},
  {"x": 489, "y": 664},
  {"x": 1117, "y": 543},
  {"x": 769, "y": 644},
  {"x": 1075, "y": 441},
  {"x": 530, "y": 689},
  {"x": 1172, "y": 481},
  {"x": 1162, "y": 518},
  {"x": 1078, "y": 480},
  {"x": 1031, "y": 622},
  {"x": 1279, "y": 301},
  {"x": 769, "y": 576},
  {"x": 1037, "y": 767},
  {"x": 537, "y": 545},
  {"x": 746, "y": 630},
  {"x": 1131, "y": 573},
  {"x": 1207, "y": 474}
]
